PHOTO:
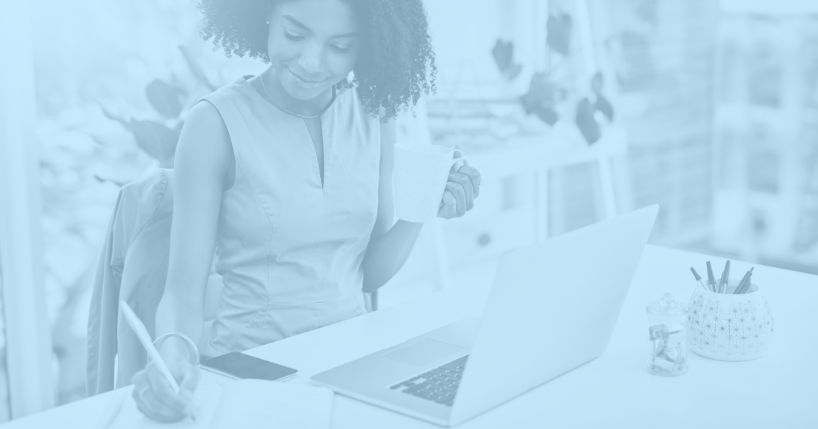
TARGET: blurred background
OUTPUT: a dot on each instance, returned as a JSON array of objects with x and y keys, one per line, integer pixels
[{"x": 574, "y": 110}]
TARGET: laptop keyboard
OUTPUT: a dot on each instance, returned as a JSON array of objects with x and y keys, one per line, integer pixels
[{"x": 439, "y": 385}]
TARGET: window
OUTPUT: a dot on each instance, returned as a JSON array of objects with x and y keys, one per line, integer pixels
[
  {"x": 5, "y": 405},
  {"x": 26, "y": 351}
]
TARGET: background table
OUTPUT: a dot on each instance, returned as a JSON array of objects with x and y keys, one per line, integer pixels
[{"x": 779, "y": 390}]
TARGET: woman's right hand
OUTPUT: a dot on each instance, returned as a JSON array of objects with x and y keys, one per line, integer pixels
[{"x": 154, "y": 395}]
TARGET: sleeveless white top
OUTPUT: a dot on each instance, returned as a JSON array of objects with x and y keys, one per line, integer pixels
[{"x": 289, "y": 249}]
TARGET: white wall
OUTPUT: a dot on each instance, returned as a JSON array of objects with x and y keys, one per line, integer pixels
[{"x": 464, "y": 32}]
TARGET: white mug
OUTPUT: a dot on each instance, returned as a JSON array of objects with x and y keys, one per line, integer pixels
[{"x": 421, "y": 173}]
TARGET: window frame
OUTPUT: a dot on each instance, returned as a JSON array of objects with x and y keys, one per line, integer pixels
[{"x": 28, "y": 350}]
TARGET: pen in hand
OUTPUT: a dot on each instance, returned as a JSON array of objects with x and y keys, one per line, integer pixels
[{"x": 145, "y": 338}]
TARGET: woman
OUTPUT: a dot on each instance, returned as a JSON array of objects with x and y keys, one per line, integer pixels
[{"x": 287, "y": 177}]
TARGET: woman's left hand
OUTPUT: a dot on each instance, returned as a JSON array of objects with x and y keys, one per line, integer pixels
[{"x": 462, "y": 188}]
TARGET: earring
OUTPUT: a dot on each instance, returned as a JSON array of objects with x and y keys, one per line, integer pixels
[{"x": 268, "y": 22}]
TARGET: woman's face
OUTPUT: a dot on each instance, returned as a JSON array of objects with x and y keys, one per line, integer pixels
[{"x": 313, "y": 44}]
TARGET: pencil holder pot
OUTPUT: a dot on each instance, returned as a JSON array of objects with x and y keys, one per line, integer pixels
[{"x": 729, "y": 327}]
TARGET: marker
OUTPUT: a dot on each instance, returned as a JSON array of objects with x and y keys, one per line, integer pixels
[
  {"x": 711, "y": 279},
  {"x": 725, "y": 275},
  {"x": 698, "y": 278}
]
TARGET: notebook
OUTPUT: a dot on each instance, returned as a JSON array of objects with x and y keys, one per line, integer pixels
[{"x": 243, "y": 404}]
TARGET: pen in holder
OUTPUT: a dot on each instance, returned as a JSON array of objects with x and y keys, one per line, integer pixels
[{"x": 728, "y": 326}]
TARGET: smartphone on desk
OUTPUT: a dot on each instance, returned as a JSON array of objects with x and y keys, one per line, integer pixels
[{"x": 239, "y": 365}]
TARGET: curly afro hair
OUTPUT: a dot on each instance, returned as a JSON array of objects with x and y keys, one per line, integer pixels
[{"x": 396, "y": 65}]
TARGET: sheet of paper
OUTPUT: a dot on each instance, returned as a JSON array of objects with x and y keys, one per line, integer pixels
[
  {"x": 251, "y": 404},
  {"x": 205, "y": 404}
]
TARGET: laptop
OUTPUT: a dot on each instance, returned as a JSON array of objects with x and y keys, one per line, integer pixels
[{"x": 552, "y": 308}]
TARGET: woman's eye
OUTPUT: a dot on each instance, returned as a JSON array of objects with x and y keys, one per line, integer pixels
[
  {"x": 339, "y": 49},
  {"x": 292, "y": 36}
]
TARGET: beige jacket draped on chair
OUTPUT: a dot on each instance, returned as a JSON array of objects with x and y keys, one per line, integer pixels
[{"x": 133, "y": 267}]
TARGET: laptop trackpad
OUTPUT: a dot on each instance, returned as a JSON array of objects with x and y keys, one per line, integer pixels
[{"x": 422, "y": 352}]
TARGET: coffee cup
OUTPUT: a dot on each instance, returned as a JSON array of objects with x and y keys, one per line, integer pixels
[{"x": 421, "y": 173}]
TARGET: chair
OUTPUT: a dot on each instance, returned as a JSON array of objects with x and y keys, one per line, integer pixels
[{"x": 133, "y": 268}]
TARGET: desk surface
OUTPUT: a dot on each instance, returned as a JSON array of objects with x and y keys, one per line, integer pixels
[{"x": 778, "y": 390}]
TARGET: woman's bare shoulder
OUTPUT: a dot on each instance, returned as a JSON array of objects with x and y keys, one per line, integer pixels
[{"x": 204, "y": 144}]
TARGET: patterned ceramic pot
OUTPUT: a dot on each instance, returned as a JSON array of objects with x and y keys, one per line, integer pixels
[{"x": 729, "y": 327}]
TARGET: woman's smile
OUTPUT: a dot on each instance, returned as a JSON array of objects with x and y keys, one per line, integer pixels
[
  {"x": 312, "y": 45},
  {"x": 299, "y": 81}
]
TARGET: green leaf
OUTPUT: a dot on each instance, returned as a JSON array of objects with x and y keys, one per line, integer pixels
[
  {"x": 559, "y": 32},
  {"x": 166, "y": 99},
  {"x": 154, "y": 138},
  {"x": 114, "y": 117},
  {"x": 586, "y": 122}
]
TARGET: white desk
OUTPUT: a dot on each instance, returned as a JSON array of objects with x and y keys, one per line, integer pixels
[{"x": 778, "y": 391}]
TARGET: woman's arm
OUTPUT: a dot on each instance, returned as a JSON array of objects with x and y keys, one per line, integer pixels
[
  {"x": 391, "y": 243},
  {"x": 203, "y": 159}
]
